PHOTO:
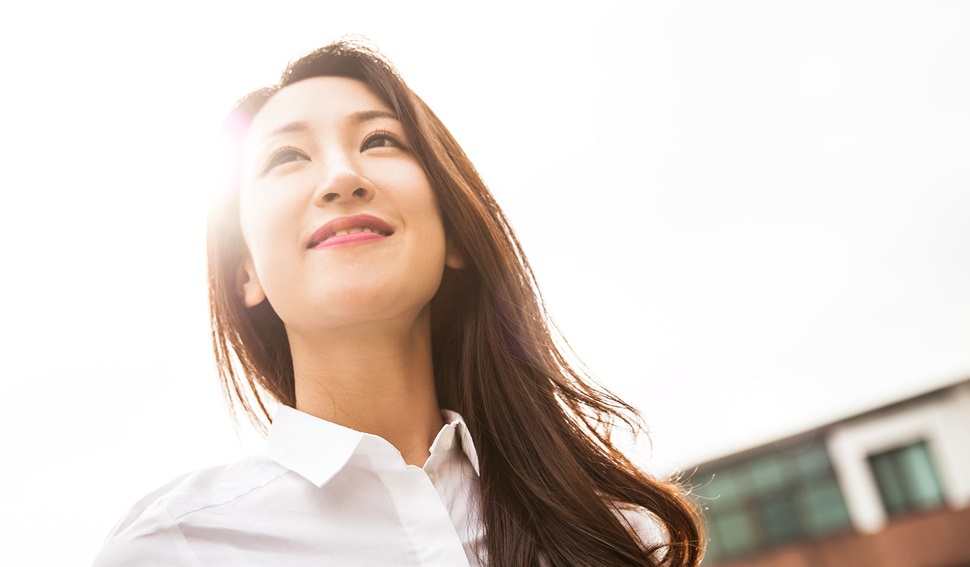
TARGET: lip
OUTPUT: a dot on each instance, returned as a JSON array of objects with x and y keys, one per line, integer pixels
[{"x": 324, "y": 237}]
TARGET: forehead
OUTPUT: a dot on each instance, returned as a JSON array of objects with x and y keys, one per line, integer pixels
[{"x": 324, "y": 101}]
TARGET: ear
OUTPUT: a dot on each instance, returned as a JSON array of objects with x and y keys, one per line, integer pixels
[
  {"x": 454, "y": 259},
  {"x": 247, "y": 284}
]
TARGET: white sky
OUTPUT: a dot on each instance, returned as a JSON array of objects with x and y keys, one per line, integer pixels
[{"x": 748, "y": 218}]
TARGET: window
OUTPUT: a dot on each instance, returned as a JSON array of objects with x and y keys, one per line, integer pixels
[
  {"x": 907, "y": 479},
  {"x": 730, "y": 530},
  {"x": 773, "y": 498}
]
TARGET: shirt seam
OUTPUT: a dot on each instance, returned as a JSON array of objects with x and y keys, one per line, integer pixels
[{"x": 223, "y": 503}]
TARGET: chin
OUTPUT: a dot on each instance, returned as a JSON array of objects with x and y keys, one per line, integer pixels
[{"x": 363, "y": 305}]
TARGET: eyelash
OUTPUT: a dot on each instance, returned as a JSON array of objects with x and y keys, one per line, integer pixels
[
  {"x": 378, "y": 135},
  {"x": 274, "y": 160}
]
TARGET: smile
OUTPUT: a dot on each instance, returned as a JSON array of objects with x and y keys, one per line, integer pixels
[{"x": 350, "y": 230}]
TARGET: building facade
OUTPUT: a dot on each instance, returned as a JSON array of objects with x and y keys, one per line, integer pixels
[{"x": 887, "y": 488}]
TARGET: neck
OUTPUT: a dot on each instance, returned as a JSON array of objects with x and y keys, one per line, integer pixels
[{"x": 378, "y": 379}]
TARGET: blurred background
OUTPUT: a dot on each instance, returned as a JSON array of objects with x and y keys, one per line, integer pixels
[{"x": 749, "y": 219}]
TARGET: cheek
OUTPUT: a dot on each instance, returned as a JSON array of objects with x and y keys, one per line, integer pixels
[
  {"x": 414, "y": 196},
  {"x": 427, "y": 222},
  {"x": 262, "y": 218}
]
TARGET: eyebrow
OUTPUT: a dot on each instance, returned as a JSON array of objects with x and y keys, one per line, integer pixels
[
  {"x": 358, "y": 117},
  {"x": 299, "y": 126},
  {"x": 365, "y": 115}
]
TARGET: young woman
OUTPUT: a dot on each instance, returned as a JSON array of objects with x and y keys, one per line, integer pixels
[{"x": 362, "y": 276}]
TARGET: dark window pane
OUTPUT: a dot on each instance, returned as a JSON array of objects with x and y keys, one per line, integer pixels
[
  {"x": 713, "y": 550},
  {"x": 769, "y": 473},
  {"x": 813, "y": 460},
  {"x": 890, "y": 486},
  {"x": 776, "y": 497},
  {"x": 721, "y": 491},
  {"x": 823, "y": 510},
  {"x": 733, "y": 533},
  {"x": 780, "y": 520},
  {"x": 916, "y": 467},
  {"x": 907, "y": 479}
]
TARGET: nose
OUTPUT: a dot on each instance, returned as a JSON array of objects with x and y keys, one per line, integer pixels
[{"x": 342, "y": 182}]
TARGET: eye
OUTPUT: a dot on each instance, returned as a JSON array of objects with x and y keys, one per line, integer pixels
[
  {"x": 381, "y": 139},
  {"x": 284, "y": 155}
]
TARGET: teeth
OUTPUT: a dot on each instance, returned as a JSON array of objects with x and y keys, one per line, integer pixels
[{"x": 352, "y": 231}]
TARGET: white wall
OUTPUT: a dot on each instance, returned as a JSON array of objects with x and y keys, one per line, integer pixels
[{"x": 944, "y": 423}]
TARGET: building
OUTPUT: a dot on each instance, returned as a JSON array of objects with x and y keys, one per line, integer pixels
[{"x": 886, "y": 488}]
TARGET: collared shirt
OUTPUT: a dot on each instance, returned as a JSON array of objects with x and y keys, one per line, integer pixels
[{"x": 321, "y": 495}]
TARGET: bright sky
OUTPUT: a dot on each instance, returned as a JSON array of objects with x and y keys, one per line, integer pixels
[{"x": 747, "y": 218}]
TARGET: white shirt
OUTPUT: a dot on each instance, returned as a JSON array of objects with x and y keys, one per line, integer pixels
[{"x": 321, "y": 495}]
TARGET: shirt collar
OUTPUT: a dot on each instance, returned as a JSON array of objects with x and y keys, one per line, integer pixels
[
  {"x": 467, "y": 445},
  {"x": 314, "y": 448},
  {"x": 317, "y": 449}
]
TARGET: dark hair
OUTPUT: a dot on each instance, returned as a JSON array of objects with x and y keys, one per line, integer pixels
[{"x": 552, "y": 481}]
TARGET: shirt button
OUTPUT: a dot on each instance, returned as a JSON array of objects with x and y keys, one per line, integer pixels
[{"x": 432, "y": 476}]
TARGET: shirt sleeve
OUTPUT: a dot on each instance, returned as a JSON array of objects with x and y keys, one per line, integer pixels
[{"x": 148, "y": 537}]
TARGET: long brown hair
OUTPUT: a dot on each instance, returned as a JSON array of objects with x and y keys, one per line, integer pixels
[{"x": 552, "y": 481}]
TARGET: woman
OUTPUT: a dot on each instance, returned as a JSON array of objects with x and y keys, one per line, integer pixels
[{"x": 361, "y": 275}]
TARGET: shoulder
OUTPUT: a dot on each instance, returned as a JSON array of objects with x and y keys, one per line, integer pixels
[{"x": 151, "y": 531}]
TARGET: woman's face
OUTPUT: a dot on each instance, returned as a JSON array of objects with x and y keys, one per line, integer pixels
[{"x": 339, "y": 219}]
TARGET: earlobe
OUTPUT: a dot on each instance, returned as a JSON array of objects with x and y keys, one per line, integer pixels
[
  {"x": 454, "y": 259},
  {"x": 249, "y": 288}
]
